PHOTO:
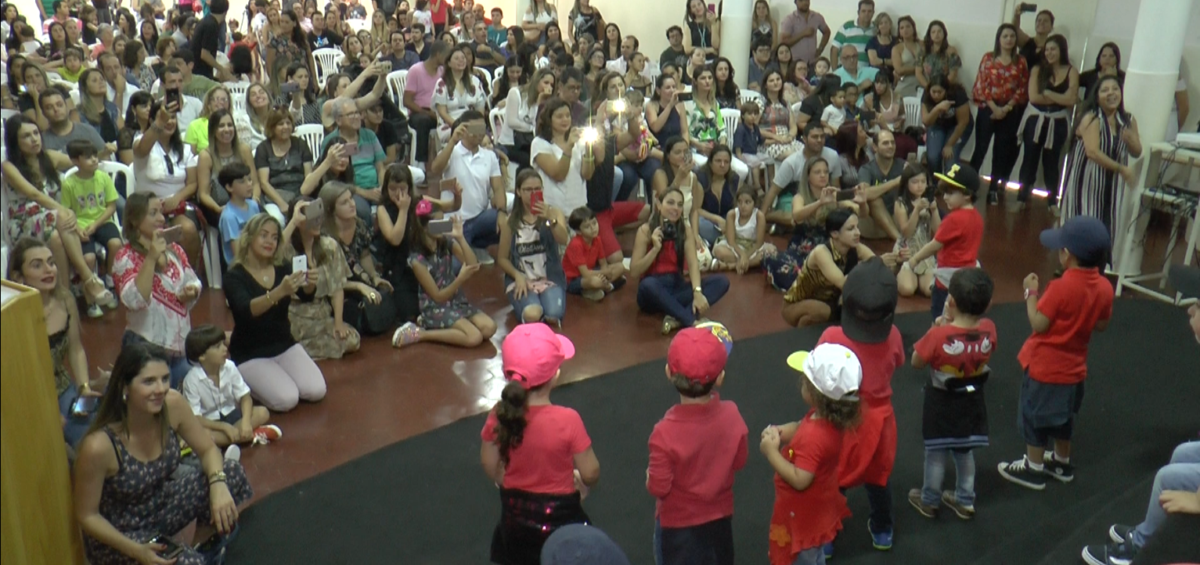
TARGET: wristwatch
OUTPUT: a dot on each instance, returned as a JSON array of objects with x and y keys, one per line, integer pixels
[
  {"x": 218, "y": 477},
  {"x": 699, "y": 289}
]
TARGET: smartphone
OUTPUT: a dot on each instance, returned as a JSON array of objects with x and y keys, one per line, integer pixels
[
  {"x": 84, "y": 405},
  {"x": 476, "y": 128},
  {"x": 173, "y": 548},
  {"x": 172, "y": 234},
  {"x": 712, "y": 8},
  {"x": 684, "y": 97},
  {"x": 1028, "y": 8},
  {"x": 173, "y": 96},
  {"x": 536, "y": 198},
  {"x": 314, "y": 214},
  {"x": 300, "y": 264},
  {"x": 289, "y": 88},
  {"x": 440, "y": 227}
]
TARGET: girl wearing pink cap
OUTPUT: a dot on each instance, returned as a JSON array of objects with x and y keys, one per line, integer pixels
[{"x": 539, "y": 454}]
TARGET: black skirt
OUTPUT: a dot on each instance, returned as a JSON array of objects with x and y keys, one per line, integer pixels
[
  {"x": 527, "y": 519},
  {"x": 954, "y": 419}
]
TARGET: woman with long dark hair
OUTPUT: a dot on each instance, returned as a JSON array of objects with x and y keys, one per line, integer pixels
[
  {"x": 520, "y": 114},
  {"x": 456, "y": 92},
  {"x": 665, "y": 259},
  {"x": 1053, "y": 88},
  {"x": 534, "y": 280},
  {"x": 1098, "y": 169},
  {"x": 1108, "y": 63},
  {"x": 287, "y": 47},
  {"x": 702, "y": 29},
  {"x": 137, "y": 72},
  {"x": 906, "y": 56},
  {"x": 538, "y": 453},
  {"x": 125, "y": 490},
  {"x": 726, "y": 89},
  {"x": 224, "y": 148},
  {"x": 719, "y": 187},
  {"x": 939, "y": 57},
  {"x": 94, "y": 109},
  {"x": 166, "y": 167},
  {"x": 610, "y": 45},
  {"x": 946, "y": 114},
  {"x": 1001, "y": 92},
  {"x": 149, "y": 38},
  {"x": 33, "y": 187}
]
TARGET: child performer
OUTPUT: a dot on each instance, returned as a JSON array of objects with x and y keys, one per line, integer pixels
[
  {"x": 809, "y": 508},
  {"x": 956, "y": 350},
  {"x": 694, "y": 452},
  {"x": 957, "y": 239},
  {"x": 538, "y": 453},
  {"x": 1055, "y": 355}
]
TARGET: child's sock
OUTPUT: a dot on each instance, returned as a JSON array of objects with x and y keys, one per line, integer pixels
[
  {"x": 1061, "y": 459},
  {"x": 1035, "y": 465}
]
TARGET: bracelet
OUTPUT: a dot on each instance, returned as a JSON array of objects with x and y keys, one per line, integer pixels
[
  {"x": 215, "y": 481},
  {"x": 1031, "y": 293}
]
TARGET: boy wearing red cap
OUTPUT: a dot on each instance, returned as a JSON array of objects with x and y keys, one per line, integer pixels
[
  {"x": 869, "y": 298},
  {"x": 695, "y": 450},
  {"x": 539, "y": 454}
]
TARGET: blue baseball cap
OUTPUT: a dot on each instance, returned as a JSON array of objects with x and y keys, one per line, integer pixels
[
  {"x": 581, "y": 544},
  {"x": 1083, "y": 236},
  {"x": 1186, "y": 280}
]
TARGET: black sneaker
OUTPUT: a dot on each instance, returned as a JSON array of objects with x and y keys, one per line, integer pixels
[
  {"x": 1064, "y": 472},
  {"x": 1019, "y": 472},
  {"x": 1119, "y": 533},
  {"x": 1111, "y": 554}
]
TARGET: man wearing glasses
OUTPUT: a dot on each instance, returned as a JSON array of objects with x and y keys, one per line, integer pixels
[
  {"x": 572, "y": 88},
  {"x": 853, "y": 71},
  {"x": 366, "y": 154}
]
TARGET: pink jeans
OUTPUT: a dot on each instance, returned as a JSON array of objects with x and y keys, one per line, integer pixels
[{"x": 281, "y": 382}]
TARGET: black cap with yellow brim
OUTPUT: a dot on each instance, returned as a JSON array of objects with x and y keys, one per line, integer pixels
[{"x": 961, "y": 177}]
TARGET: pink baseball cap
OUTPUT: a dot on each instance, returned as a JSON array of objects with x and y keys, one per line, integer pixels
[
  {"x": 533, "y": 353},
  {"x": 696, "y": 354}
]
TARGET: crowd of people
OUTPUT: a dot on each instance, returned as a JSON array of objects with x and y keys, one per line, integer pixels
[{"x": 321, "y": 249}]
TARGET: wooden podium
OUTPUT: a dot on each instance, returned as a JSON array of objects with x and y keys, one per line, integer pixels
[{"x": 37, "y": 522}]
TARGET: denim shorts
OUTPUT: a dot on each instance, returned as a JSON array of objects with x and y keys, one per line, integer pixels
[
  {"x": 1047, "y": 411},
  {"x": 234, "y": 417}
]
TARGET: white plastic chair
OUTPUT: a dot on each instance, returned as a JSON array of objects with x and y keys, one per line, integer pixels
[
  {"x": 312, "y": 134},
  {"x": 732, "y": 118},
  {"x": 327, "y": 63},
  {"x": 358, "y": 24},
  {"x": 496, "y": 118},
  {"x": 499, "y": 72},
  {"x": 114, "y": 168},
  {"x": 396, "y": 80},
  {"x": 237, "y": 95},
  {"x": 912, "y": 111},
  {"x": 750, "y": 95}
]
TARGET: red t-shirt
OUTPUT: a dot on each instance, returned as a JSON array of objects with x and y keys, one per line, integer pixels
[
  {"x": 954, "y": 352},
  {"x": 437, "y": 11},
  {"x": 812, "y": 517},
  {"x": 960, "y": 234},
  {"x": 581, "y": 254},
  {"x": 544, "y": 462},
  {"x": 1074, "y": 303},
  {"x": 694, "y": 452},
  {"x": 879, "y": 361}
]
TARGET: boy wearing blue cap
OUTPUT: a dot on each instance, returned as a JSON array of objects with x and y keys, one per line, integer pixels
[
  {"x": 695, "y": 450},
  {"x": 1055, "y": 355}
]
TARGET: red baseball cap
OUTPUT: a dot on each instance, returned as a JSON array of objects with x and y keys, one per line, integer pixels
[
  {"x": 533, "y": 353},
  {"x": 696, "y": 354}
]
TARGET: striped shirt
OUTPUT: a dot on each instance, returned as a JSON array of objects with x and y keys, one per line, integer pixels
[{"x": 851, "y": 34}]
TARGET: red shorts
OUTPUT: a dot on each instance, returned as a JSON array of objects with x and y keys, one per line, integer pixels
[
  {"x": 869, "y": 451},
  {"x": 621, "y": 213}
]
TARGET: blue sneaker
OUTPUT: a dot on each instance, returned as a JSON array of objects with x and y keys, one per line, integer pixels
[
  {"x": 880, "y": 540},
  {"x": 828, "y": 549}
]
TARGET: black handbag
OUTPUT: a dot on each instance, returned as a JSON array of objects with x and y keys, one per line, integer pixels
[{"x": 368, "y": 318}]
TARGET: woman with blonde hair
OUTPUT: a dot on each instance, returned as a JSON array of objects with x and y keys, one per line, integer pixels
[
  {"x": 96, "y": 110},
  {"x": 197, "y": 132},
  {"x": 260, "y": 288}
]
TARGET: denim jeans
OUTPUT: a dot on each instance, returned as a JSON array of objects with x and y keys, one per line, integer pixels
[
  {"x": 710, "y": 543},
  {"x": 935, "y": 140},
  {"x": 938, "y": 300},
  {"x": 709, "y": 231},
  {"x": 935, "y": 472},
  {"x": 177, "y": 364},
  {"x": 76, "y": 426},
  {"x": 480, "y": 231},
  {"x": 362, "y": 207},
  {"x": 810, "y": 556},
  {"x": 1182, "y": 473},
  {"x": 671, "y": 294},
  {"x": 632, "y": 172},
  {"x": 553, "y": 301}
]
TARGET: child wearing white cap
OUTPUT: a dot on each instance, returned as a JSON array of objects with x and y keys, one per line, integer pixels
[
  {"x": 809, "y": 508},
  {"x": 538, "y": 453}
]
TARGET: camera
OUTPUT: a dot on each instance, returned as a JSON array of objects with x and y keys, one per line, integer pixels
[{"x": 668, "y": 231}]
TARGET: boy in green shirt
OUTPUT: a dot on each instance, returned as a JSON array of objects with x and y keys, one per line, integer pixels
[{"x": 92, "y": 196}]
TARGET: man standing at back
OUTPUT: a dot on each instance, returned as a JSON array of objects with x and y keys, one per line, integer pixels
[
  {"x": 418, "y": 96},
  {"x": 799, "y": 31},
  {"x": 857, "y": 33},
  {"x": 205, "y": 43}
]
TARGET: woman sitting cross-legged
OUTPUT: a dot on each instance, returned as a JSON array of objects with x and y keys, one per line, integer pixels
[
  {"x": 663, "y": 251},
  {"x": 318, "y": 325},
  {"x": 369, "y": 305},
  {"x": 530, "y": 240},
  {"x": 816, "y": 295},
  {"x": 744, "y": 244},
  {"x": 446, "y": 316},
  {"x": 124, "y": 492},
  {"x": 260, "y": 287},
  {"x": 719, "y": 188}
]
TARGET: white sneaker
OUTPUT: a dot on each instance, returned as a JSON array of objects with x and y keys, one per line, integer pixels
[
  {"x": 233, "y": 453},
  {"x": 483, "y": 256}
]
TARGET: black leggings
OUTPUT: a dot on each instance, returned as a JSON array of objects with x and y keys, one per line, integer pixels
[
  {"x": 1049, "y": 150},
  {"x": 1004, "y": 150}
]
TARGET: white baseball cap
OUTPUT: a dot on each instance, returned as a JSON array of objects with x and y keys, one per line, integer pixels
[{"x": 833, "y": 369}]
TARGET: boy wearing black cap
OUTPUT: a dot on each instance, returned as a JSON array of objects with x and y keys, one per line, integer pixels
[
  {"x": 869, "y": 298},
  {"x": 957, "y": 240},
  {"x": 695, "y": 450},
  {"x": 1055, "y": 355},
  {"x": 954, "y": 417}
]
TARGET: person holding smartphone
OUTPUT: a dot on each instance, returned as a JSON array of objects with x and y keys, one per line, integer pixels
[
  {"x": 480, "y": 173},
  {"x": 32, "y": 264}
]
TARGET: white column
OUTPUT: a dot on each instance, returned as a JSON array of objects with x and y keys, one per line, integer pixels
[
  {"x": 735, "y": 35},
  {"x": 1149, "y": 92}
]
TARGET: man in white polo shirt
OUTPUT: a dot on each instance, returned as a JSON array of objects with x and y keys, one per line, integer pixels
[{"x": 479, "y": 174}]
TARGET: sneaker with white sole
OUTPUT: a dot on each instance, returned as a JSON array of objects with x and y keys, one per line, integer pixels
[
  {"x": 1063, "y": 472},
  {"x": 483, "y": 256},
  {"x": 267, "y": 433},
  {"x": 1021, "y": 473},
  {"x": 233, "y": 453},
  {"x": 95, "y": 311},
  {"x": 595, "y": 295},
  {"x": 670, "y": 324},
  {"x": 1110, "y": 554},
  {"x": 964, "y": 511},
  {"x": 407, "y": 334},
  {"x": 1120, "y": 533}
]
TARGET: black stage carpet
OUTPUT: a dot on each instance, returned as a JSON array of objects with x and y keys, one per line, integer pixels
[{"x": 426, "y": 501}]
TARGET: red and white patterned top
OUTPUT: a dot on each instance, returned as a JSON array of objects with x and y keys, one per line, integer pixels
[
  {"x": 163, "y": 320},
  {"x": 1000, "y": 83}
]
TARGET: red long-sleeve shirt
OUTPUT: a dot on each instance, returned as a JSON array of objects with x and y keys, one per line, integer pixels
[
  {"x": 695, "y": 450},
  {"x": 1000, "y": 83}
]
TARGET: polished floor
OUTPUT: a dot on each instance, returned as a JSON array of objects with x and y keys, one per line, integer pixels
[{"x": 381, "y": 395}]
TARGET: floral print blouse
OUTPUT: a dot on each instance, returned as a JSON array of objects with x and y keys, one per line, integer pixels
[
  {"x": 939, "y": 64},
  {"x": 1000, "y": 83}
]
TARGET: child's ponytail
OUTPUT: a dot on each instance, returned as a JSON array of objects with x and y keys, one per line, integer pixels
[
  {"x": 843, "y": 414},
  {"x": 510, "y": 415}
]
